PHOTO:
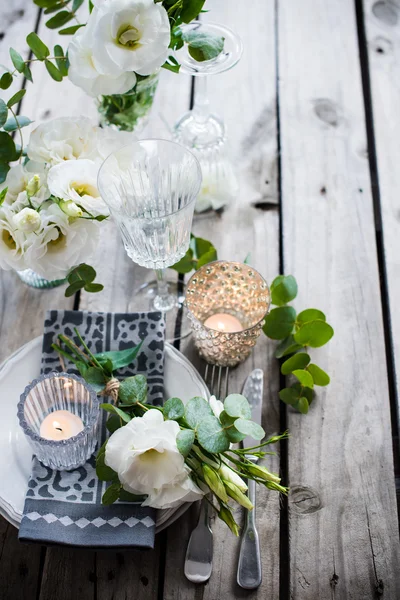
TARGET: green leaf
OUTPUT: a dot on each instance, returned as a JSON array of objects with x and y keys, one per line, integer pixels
[
  {"x": 206, "y": 258},
  {"x": 13, "y": 123},
  {"x": 4, "y": 168},
  {"x": 6, "y": 80},
  {"x": 211, "y": 435},
  {"x": 61, "y": 60},
  {"x": 7, "y": 147},
  {"x": 17, "y": 60},
  {"x": 298, "y": 361},
  {"x": 56, "y": 7},
  {"x": 27, "y": 73},
  {"x": 76, "y": 4},
  {"x": 304, "y": 391},
  {"x": 247, "y": 260},
  {"x": 279, "y": 322},
  {"x": 127, "y": 497},
  {"x": 234, "y": 435},
  {"x": 59, "y": 20},
  {"x": 103, "y": 472},
  {"x": 46, "y": 3},
  {"x": 228, "y": 423},
  {"x": 184, "y": 441},
  {"x": 39, "y": 49},
  {"x": 203, "y": 46},
  {"x": 250, "y": 428},
  {"x": 314, "y": 334},
  {"x": 116, "y": 411},
  {"x": 70, "y": 30},
  {"x": 173, "y": 409},
  {"x": 111, "y": 494},
  {"x": 94, "y": 288},
  {"x": 74, "y": 288},
  {"x": 196, "y": 410},
  {"x": 320, "y": 377},
  {"x": 3, "y": 112},
  {"x": 236, "y": 405},
  {"x": 53, "y": 71},
  {"x": 310, "y": 314},
  {"x": 186, "y": 264},
  {"x": 171, "y": 66},
  {"x": 16, "y": 98},
  {"x": 190, "y": 9},
  {"x": 304, "y": 377},
  {"x": 120, "y": 358},
  {"x": 82, "y": 272},
  {"x": 203, "y": 251},
  {"x": 133, "y": 390},
  {"x": 95, "y": 377},
  {"x": 3, "y": 195},
  {"x": 114, "y": 423},
  {"x": 286, "y": 347},
  {"x": 289, "y": 395},
  {"x": 302, "y": 405},
  {"x": 283, "y": 290}
]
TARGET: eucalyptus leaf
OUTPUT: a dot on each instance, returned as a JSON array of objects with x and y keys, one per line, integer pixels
[
  {"x": 111, "y": 408},
  {"x": 250, "y": 428},
  {"x": 314, "y": 333},
  {"x": 310, "y": 314},
  {"x": 211, "y": 435},
  {"x": 304, "y": 391},
  {"x": 3, "y": 112},
  {"x": 319, "y": 376},
  {"x": 103, "y": 472},
  {"x": 234, "y": 435},
  {"x": 298, "y": 361},
  {"x": 39, "y": 49},
  {"x": 6, "y": 80},
  {"x": 171, "y": 66},
  {"x": 111, "y": 494},
  {"x": 236, "y": 405},
  {"x": 279, "y": 322},
  {"x": 202, "y": 45},
  {"x": 286, "y": 347},
  {"x": 120, "y": 358},
  {"x": 71, "y": 30},
  {"x": 304, "y": 377},
  {"x": 59, "y": 19},
  {"x": 196, "y": 410},
  {"x": 61, "y": 61},
  {"x": 113, "y": 423},
  {"x": 76, "y": 4},
  {"x": 128, "y": 497},
  {"x": 184, "y": 441},
  {"x": 133, "y": 390},
  {"x": 53, "y": 71},
  {"x": 173, "y": 409},
  {"x": 14, "y": 123},
  {"x": 74, "y": 288},
  {"x": 186, "y": 264},
  {"x": 93, "y": 288},
  {"x": 190, "y": 9},
  {"x": 4, "y": 168},
  {"x": 289, "y": 395},
  {"x": 17, "y": 60},
  {"x": 283, "y": 290},
  {"x": 7, "y": 147},
  {"x": 27, "y": 73},
  {"x": 84, "y": 272},
  {"x": 302, "y": 405},
  {"x": 95, "y": 377},
  {"x": 16, "y": 98},
  {"x": 226, "y": 419}
]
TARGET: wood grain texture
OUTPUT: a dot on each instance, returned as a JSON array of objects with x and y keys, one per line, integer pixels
[
  {"x": 68, "y": 573},
  {"x": 343, "y": 523},
  {"x": 19, "y": 568},
  {"x": 251, "y": 128}
]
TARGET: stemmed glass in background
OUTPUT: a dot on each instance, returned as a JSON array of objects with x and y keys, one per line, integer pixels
[
  {"x": 150, "y": 187},
  {"x": 199, "y": 129}
]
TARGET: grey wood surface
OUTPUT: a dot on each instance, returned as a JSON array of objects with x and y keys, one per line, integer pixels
[{"x": 305, "y": 203}]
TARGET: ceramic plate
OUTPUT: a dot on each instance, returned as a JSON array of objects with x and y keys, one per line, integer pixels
[{"x": 181, "y": 380}]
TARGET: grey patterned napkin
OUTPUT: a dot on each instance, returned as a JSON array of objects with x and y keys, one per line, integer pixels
[{"x": 64, "y": 507}]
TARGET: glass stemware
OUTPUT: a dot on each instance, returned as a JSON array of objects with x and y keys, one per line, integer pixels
[{"x": 150, "y": 187}]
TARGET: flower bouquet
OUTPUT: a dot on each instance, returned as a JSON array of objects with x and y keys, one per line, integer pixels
[
  {"x": 50, "y": 208},
  {"x": 165, "y": 456}
]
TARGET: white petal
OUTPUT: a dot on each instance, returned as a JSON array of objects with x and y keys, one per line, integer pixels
[
  {"x": 174, "y": 495},
  {"x": 118, "y": 446}
]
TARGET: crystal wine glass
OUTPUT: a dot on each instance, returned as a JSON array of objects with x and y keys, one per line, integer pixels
[{"x": 150, "y": 187}]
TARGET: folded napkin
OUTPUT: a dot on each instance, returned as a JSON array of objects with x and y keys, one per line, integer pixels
[{"x": 64, "y": 507}]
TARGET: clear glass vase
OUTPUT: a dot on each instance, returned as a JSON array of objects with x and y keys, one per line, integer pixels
[
  {"x": 36, "y": 281},
  {"x": 130, "y": 111}
]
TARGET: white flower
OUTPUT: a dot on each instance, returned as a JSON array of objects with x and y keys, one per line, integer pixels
[
  {"x": 19, "y": 182},
  {"x": 86, "y": 72},
  {"x": 219, "y": 185},
  {"x": 132, "y": 35},
  {"x": 63, "y": 139},
  {"x": 60, "y": 244},
  {"x": 12, "y": 242},
  {"x": 227, "y": 474},
  {"x": 76, "y": 180},
  {"x": 216, "y": 406},
  {"x": 27, "y": 220},
  {"x": 108, "y": 141},
  {"x": 145, "y": 456},
  {"x": 71, "y": 209}
]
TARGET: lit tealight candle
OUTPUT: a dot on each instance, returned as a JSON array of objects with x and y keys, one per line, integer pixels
[
  {"x": 224, "y": 322},
  {"x": 60, "y": 425}
]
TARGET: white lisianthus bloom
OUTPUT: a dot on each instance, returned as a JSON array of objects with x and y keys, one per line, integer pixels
[
  {"x": 63, "y": 139},
  {"x": 227, "y": 474},
  {"x": 12, "y": 242},
  {"x": 132, "y": 35},
  {"x": 87, "y": 73},
  {"x": 27, "y": 220},
  {"x": 77, "y": 181},
  {"x": 216, "y": 406},
  {"x": 20, "y": 180},
  {"x": 219, "y": 186},
  {"x": 145, "y": 456},
  {"x": 60, "y": 244}
]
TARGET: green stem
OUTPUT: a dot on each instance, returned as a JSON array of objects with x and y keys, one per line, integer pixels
[
  {"x": 20, "y": 134},
  {"x": 93, "y": 358}
]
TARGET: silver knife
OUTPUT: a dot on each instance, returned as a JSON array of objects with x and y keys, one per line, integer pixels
[{"x": 249, "y": 574}]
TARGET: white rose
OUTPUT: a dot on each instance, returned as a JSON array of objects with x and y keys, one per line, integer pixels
[
  {"x": 76, "y": 180},
  {"x": 145, "y": 456},
  {"x": 132, "y": 35},
  {"x": 27, "y": 220},
  {"x": 85, "y": 71},
  {"x": 216, "y": 406},
  {"x": 12, "y": 242},
  {"x": 63, "y": 139},
  {"x": 60, "y": 244}
]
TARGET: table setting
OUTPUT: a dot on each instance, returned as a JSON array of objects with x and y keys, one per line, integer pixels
[{"x": 179, "y": 419}]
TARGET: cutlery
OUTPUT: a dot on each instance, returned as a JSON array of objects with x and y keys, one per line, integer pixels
[
  {"x": 249, "y": 574},
  {"x": 199, "y": 553}
]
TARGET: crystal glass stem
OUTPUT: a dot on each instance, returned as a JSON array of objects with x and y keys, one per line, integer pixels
[
  {"x": 163, "y": 301},
  {"x": 201, "y": 108}
]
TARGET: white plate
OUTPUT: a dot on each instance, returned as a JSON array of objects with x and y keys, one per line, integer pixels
[{"x": 180, "y": 380}]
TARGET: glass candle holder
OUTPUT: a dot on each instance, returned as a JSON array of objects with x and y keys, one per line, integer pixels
[
  {"x": 230, "y": 288},
  {"x": 54, "y": 392}
]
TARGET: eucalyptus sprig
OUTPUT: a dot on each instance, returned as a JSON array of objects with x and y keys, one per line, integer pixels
[
  {"x": 200, "y": 252},
  {"x": 297, "y": 332}
]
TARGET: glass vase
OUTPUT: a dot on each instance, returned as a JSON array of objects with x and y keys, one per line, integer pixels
[
  {"x": 129, "y": 111},
  {"x": 36, "y": 281}
]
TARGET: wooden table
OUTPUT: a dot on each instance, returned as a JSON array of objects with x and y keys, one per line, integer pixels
[{"x": 313, "y": 120}]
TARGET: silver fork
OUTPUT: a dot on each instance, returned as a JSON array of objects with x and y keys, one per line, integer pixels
[{"x": 199, "y": 553}]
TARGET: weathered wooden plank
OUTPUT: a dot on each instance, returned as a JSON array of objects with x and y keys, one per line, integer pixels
[
  {"x": 381, "y": 21},
  {"x": 344, "y": 538},
  {"x": 251, "y": 126},
  {"x": 19, "y": 568},
  {"x": 68, "y": 573}
]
